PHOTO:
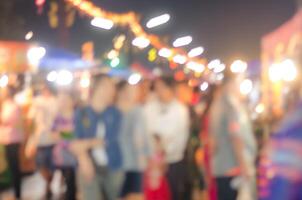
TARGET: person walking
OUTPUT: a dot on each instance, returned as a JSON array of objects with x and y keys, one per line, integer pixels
[
  {"x": 233, "y": 145},
  {"x": 172, "y": 124},
  {"x": 134, "y": 141},
  {"x": 97, "y": 128},
  {"x": 11, "y": 136},
  {"x": 42, "y": 115}
]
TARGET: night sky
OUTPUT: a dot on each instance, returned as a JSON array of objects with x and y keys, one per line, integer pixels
[{"x": 227, "y": 29}]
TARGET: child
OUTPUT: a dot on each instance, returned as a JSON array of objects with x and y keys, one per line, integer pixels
[{"x": 155, "y": 184}]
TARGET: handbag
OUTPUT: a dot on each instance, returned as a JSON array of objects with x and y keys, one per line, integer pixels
[{"x": 62, "y": 157}]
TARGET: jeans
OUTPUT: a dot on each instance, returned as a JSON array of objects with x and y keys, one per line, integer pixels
[{"x": 106, "y": 185}]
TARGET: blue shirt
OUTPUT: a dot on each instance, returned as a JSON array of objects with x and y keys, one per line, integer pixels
[{"x": 86, "y": 121}]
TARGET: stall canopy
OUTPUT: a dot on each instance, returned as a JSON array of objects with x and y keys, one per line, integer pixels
[
  {"x": 13, "y": 57},
  {"x": 283, "y": 43},
  {"x": 56, "y": 59}
]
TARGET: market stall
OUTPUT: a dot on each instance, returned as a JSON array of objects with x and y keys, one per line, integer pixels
[{"x": 281, "y": 64}]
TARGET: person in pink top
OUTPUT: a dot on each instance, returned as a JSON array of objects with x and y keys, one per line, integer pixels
[{"x": 11, "y": 135}]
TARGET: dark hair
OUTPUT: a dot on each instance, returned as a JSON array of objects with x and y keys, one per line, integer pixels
[
  {"x": 96, "y": 80},
  {"x": 168, "y": 81},
  {"x": 121, "y": 85}
]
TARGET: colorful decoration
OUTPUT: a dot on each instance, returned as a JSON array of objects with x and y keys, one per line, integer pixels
[{"x": 131, "y": 20}]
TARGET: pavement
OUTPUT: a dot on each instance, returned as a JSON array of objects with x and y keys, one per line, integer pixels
[{"x": 33, "y": 188}]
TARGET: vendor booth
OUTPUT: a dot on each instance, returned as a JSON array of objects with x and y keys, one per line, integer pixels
[{"x": 281, "y": 65}]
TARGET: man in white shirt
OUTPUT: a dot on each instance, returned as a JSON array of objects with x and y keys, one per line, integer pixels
[{"x": 171, "y": 123}]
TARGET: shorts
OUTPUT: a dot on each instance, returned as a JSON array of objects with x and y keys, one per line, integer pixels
[
  {"x": 44, "y": 158},
  {"x": 132, "y": 184}
]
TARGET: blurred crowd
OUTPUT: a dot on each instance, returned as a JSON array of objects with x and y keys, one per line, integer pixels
[{"x": 156, "y": 140}]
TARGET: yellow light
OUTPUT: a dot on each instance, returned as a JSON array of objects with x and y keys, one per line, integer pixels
[
  {"x": 246, "y": 87},
  {"x": 275, "y": 72},
  {"x": 179, "y": 59},
  {"x": 102, "y": 23},
  {"x": 152, "y": 54},
  {"x": 260, "y": 108},
  {"x": 141, "y": 42},
  {"x": 156, "y": 21},
  {"x": 196, "y": 67},
  {"x": 289, "y": 70},
  {"x": 182, "y": 41},
  {"x": 238, "y": 66},
  {"x": 112, "y": 54},
  {"x": 196, "y": 52},
  {"x": 164, "y": 52}
]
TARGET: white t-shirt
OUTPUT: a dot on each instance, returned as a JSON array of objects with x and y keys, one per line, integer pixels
[
  {"x": 171, "y": 122},
  {"x": 44, "y": 111}
]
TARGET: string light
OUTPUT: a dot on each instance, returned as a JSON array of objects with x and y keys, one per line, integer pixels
[
  {"x": 102, "y": 23},
  {"x": 179, "y": 59},
  {"x": 141, "y": 42},
  {"x": 196, "y": 52},
  {"x": 164, "y": 52},
  {"x": 182, "y": 41},
  {"x": 156, "y": 21}
]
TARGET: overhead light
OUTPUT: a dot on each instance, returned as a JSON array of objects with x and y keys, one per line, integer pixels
[
  {"x": 164, "y": 52},
  {"x": 246, "y": 87},
  {"x": 214, "y": 63},
  {"x": 64, "y": 78},
  {"x": 238, "y": 66},
  {"x": 196, "y": 52},
  {"x": 156, "y": 21},
  {"x": 182, "y": 41},
  {"x": 35, "y": 54},
  {"x": 3, "y": 81},
  {"x": 52, "y": 76},
  {"x": 102, "y": 23},
  {"x": 29, "y": 35},
  {"x": 141, "y": 42},
  {"x": 134, "y": 79},
  {"x": 196, "y": 67},
  {"x": 204, "y": 86},
  {"x": 179, "y": 59},
  {"x": 289, "y": 70}
]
